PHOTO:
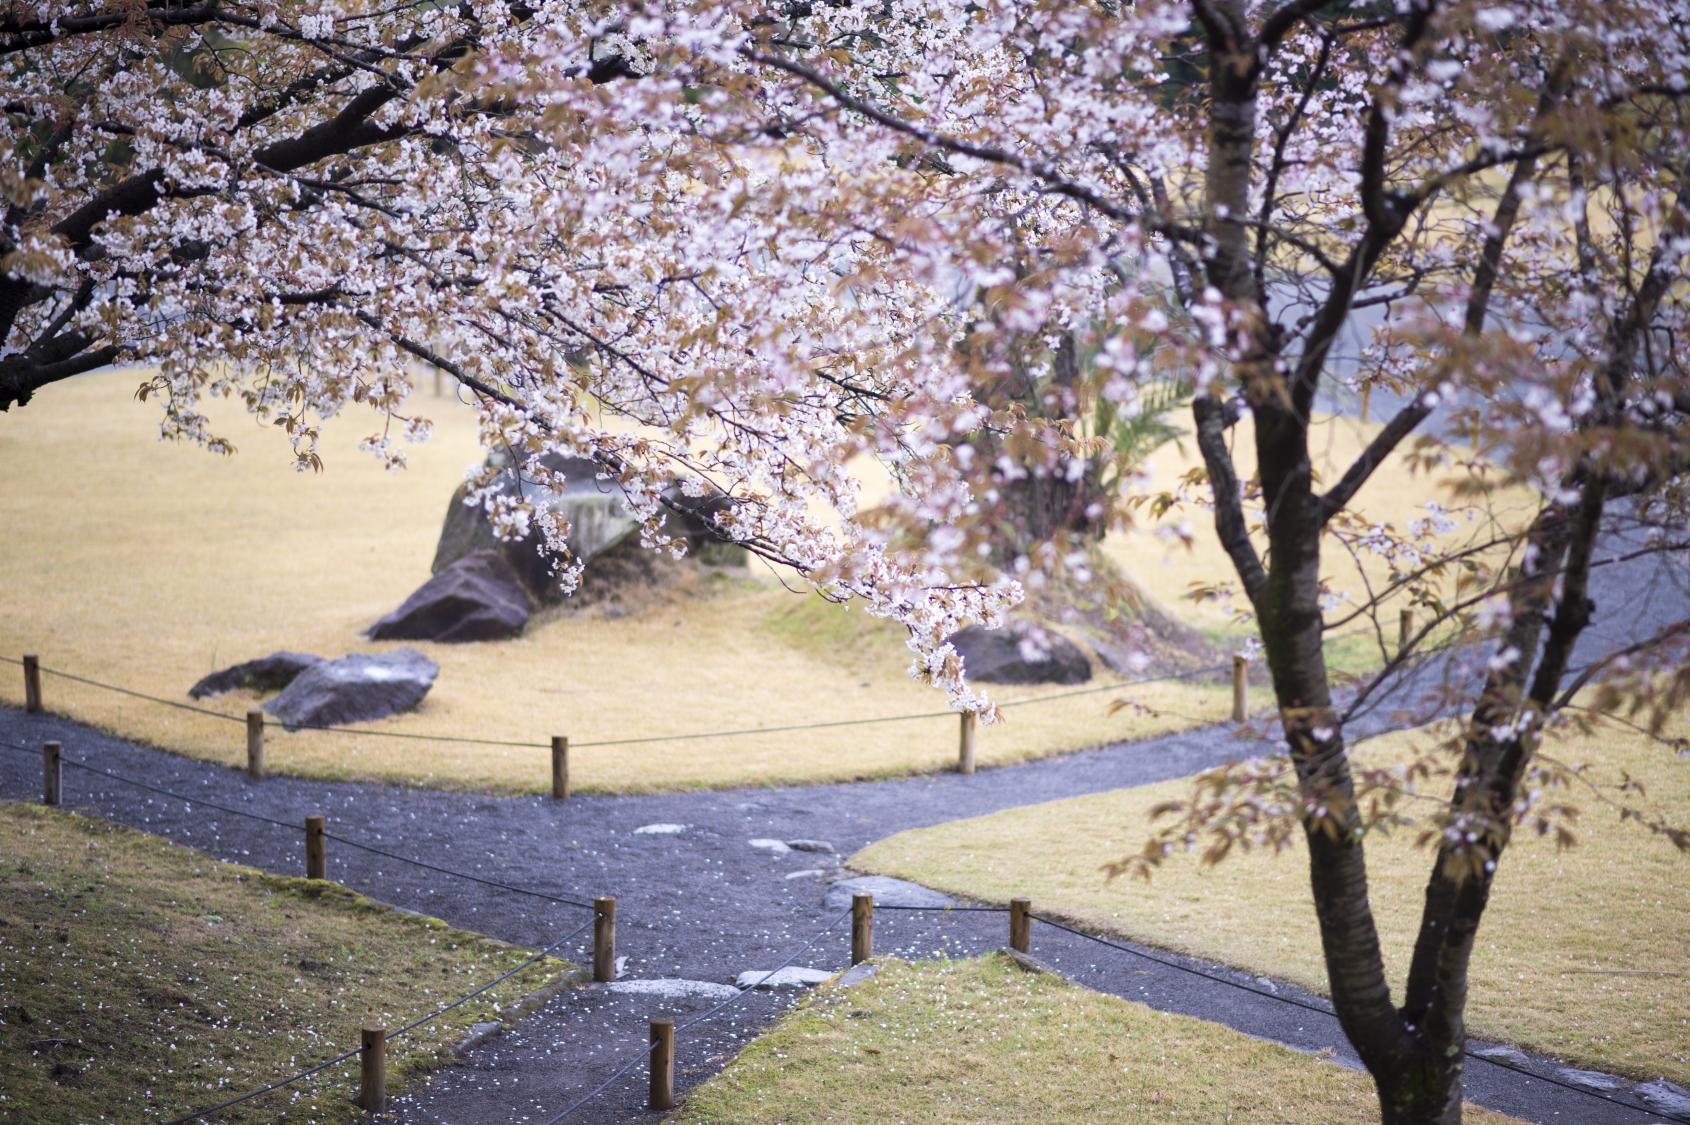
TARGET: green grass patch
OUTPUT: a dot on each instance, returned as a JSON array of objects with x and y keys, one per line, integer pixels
[
  {"x": 1581, "y": 953},
  {"x": 984, "y": 1040},
  {"x": 140, "y": 980}
]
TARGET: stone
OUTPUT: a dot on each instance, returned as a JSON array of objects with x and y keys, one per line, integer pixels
[
  {"x": 997, "y": 656},
  {"x": 1589, "y": 1079},
  {"x": 1665, "y": 1097},
  {"x": 1501, "y": 1051},
  {"x": 810, "y": 846},
  {"x": 807, "y": 873},
  {"x": 660, "y": 829},
  {"x": 477, "y": 598},
  {"x": 793, "y": 976},
  {"x": 858, "y": 973},
  {"x": 674, "y": 988},
  {"x": 598, "y": 516},
  {"x": 267, "y": 673},
  {"x": 356, "y": 688},
  {"x": 776, "y": 846},
  {"x": 886, "y": 890}
]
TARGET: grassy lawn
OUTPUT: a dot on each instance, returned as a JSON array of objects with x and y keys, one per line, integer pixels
[
  {"x": 1581, "y": 953},
  {"x": 983, "y": 1040},
  {"x": 140, "y": 980},
  {"x": 148, "y": 565}
]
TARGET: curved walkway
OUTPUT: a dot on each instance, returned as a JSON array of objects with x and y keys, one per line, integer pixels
[{"x": 706, "y": 905}]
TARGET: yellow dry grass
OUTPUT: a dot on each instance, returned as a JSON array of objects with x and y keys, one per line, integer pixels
[
  {"x": 1168, "y": 567},
  {"x": 983, "y": 1040},
  {"x": 1582, "y": 952},
  {"x": 148, "y": 565}
]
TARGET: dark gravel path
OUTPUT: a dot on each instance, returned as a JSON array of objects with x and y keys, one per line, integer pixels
[{"x": 705, "y": 905}]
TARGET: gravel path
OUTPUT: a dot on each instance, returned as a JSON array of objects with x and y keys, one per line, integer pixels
[{"x": 704, "y": 904}]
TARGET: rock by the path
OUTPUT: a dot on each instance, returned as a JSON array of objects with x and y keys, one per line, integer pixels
[
  {"x": 886, "y": 890},
  {"x": 1589, "y": 1079},
  {"x": 660, "y": 829},
  {"x": 1013, "y": 655},
  {"x": 1501, "y": 1051},
  {"x": 858, "y": 973},
  {"x": 776, "y": 846},
  {"x": 355, "y": 689},
  {"x": 793, "y": 976},
  {"x": 267, "y": 673},
  {"x": 599, "y": 519},
  {"x": 477, "y": 598},
  {"x": 810, "y": 846},
  {"x": 1665, "y": 1097},
  {"x": 674, "y": 988},
  {"x": 807, "y": 873}
]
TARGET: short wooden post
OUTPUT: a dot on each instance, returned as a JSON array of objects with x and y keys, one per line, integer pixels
[
  {"x": 31, "y": 683},
  {"x": 662, "y": 1064},
  {"x": 604, "y": 939},
  {"x": 52, "y": 776},
  {"x": 560, "y": 766},
  {"x": 372, "y": 1074},
  {"x": 255, "y": 745},
  {"x": 316, "y": 866},
  {"x": 1405, "y": 630},
  {"x": 1240, "y": 689},
  {"x": 1020, "y": 924},
  {"x": 965, "y": 746},
  {"x": 1366, "y": 399},
  {"x": 862, "y": 928}
]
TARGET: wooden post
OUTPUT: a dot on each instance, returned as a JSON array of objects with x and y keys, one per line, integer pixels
[
  {"x": 862, "y": 928},
  {"x": 1240, "y": 689},
  {"x": 662, "y": 1064},
  {"x": 31, "y": 683},
  {"x": 604, "y": 939},
  {"x": 560, "y": 766},
  {"x": 51, "y": 774},
  {"x": 1405, "y": 630},
  {"x": 965, "y": 747},
  {"x": 1366, "y": 399},
  {"x": 255, "y": 745},
  {"x": 372, "y": 1075},
  {"x": 1020, "y": 924},
  {"x": 316, "y": 866}
]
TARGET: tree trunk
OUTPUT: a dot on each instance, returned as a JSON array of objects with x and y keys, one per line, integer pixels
[{"x": 1421, "y": 1088}]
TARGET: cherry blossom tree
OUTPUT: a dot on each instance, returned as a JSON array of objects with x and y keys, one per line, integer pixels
[{"x": 729, "y": 250}]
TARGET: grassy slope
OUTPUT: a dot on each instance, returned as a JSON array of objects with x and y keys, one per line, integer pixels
[
  {"x": 982, "y": 1040},
  {"x": 139, "y": 979},
  {"x": 1581, "y": 953},
  {"x": 148, "y": 565}
]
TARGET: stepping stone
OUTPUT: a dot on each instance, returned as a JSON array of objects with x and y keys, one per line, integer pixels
[
  {"x": 776, "y": 846},
  {"x": 1589, "y": 1079},
  {"x": 807, "y": 873},
  {"x": 674, "y": 988},
  {"x": 793, "y": 976},
  {"x": 858, "y": 973},
  {"x": 1666, "y": 1097},
  {"x": 886, "y": 891},
  {"x": 660, "y": 829},
  {"x": 810, "y": 846},
  {"x": 1501, "y": 1051}
]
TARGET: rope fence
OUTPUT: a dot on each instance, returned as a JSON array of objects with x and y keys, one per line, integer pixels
[{"x": 662, "y": 1046}]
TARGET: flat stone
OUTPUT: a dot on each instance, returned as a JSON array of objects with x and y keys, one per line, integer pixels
[
  {"x": 1501, "y": 1051},
  {"x": 1665, "y": 1097},
  {"x": 807, "y": 873},
  {"x": 858, "y": 973},
  {"x": 660, "y": 829},
  {"x": 355, "y": 689},
  {"x": 769, "y": 845},
  {"x": 267, "y": 673},
  {"x": 1589, "y": 1079},
  {"x": 810, "y": 846},
  {"x": 674, "y": 988},
  {"x": 886, "y": 891},
  {"x": 793, "y": 976}
]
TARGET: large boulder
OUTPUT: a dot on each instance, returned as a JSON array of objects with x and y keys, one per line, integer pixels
[
  {"x": 477, "y": 598},
  {"x": 267, "y": 673},
  {"x": 599, "y": 519},
  {"x": 355, "y": 689},
  {"x": 1013, "y": 655}
]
